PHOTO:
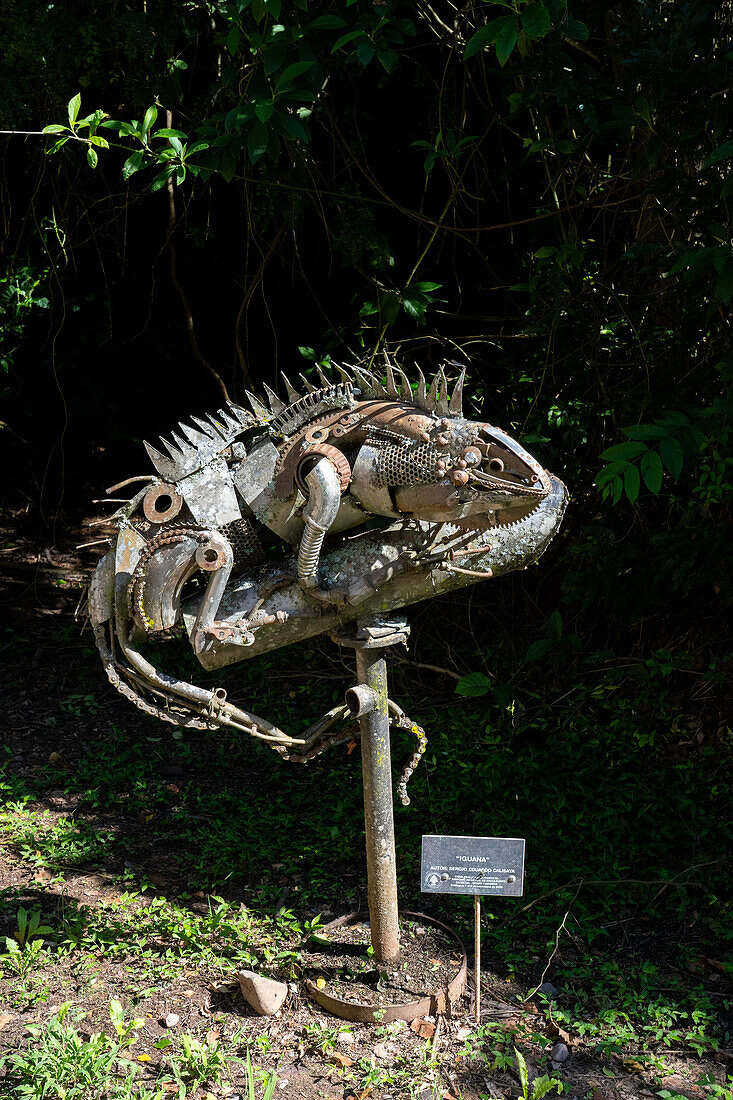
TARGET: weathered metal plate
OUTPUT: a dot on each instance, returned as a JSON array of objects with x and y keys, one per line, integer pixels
[
  {"x": 472, "y": 865},
  {"x": 432, "y": 1004}
]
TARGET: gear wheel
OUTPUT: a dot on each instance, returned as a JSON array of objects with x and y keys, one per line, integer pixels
[
  {"x": 337, "y": 459},
  {"x": 490, "y": 523}
]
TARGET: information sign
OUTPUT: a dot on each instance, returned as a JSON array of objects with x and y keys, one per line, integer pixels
[{"x": 473, "y": 865}]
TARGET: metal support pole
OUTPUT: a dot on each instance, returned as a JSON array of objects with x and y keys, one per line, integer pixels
[
  {"x": 371, "y": 671},
  {"x": 477, "y": 956},
  {"x": 368, "y": 701}
]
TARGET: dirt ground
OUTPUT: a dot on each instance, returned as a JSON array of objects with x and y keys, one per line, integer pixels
[{"x": 55, "y": 704}]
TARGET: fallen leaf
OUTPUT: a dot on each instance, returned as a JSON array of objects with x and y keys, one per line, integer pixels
[
  {"x": 423, "y": 1028},
  {"x": 342, "y": 1059},
  {"x": 448, "y": 1096},
  {"x": 553, "y": 1030},
  {"x": 142, "y": 1058},
  {"x": 320, "y": 983},
  {"x": 350, "y": 748}
]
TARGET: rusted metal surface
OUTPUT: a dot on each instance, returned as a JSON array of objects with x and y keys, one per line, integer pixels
[
  {"x": 437, "y": 1002},
  {"x": 378, "y": 565},
  {"x": 162, "y": 503},
  {"x": 376, "y": 763},
  {"x": 469, "y": 503},
  {"x": 369, "y": 701}
]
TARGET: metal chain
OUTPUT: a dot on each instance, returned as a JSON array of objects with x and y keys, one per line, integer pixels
[
  {"x": 328, "y": 739},
  {"x": 129, "y": 693},
  {"x": 172, "y": 533}
]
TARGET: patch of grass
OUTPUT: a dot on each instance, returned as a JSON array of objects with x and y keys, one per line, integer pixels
[
  {"x": 59, "y": 1060},
  {"x": 45, "y": 842}
]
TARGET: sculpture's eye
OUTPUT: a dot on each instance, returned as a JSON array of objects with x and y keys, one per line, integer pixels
[{"x": 496, "y": 465}]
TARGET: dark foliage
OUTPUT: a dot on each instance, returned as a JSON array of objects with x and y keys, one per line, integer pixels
[{"x": 539, "y": 192}]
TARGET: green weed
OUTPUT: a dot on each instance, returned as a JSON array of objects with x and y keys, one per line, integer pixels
[
  {"x": 59, "y": 1062},
  {"x": 540, "y": 1086}
]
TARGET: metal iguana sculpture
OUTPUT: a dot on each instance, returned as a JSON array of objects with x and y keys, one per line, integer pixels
[{"x": 200, "y": 546}]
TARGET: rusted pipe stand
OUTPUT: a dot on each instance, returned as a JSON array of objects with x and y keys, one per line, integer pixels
[{"x": 368, "y": 702}]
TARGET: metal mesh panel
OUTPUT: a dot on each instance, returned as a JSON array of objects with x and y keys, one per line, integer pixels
[
  {"x": 408, "y": 463},
  {"x": 245, "y": 544}
]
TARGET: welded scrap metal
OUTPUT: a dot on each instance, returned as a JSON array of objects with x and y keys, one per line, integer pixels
[
  {"x": 387, "y": 563},
  {"x": 256, "y": 532}
]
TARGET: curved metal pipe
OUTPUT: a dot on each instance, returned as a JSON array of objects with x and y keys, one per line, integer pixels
[{"x": 319, "y": 514}]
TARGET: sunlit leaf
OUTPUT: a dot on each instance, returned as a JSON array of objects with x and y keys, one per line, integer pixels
[{"x": 74, "y": 105}]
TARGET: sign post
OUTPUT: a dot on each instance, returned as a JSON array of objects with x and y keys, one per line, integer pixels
[{"x": 473, "y": 865}]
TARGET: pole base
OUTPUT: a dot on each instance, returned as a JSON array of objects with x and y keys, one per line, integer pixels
[{"x": 432, "y": 1004}]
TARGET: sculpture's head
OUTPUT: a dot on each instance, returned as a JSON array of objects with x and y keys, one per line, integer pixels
[
  {"x": 480, "y": 472},
  {"x": 423, "y": 459}
]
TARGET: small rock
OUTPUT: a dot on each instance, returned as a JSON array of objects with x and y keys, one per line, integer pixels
[
  {"x": 263, "y": 994},
  {"x": 424, "y": 1028},
  {"x": 560, "y": 1052},
  {"x": 548, "y": 990},
  {"x": 171, "y": 1020}
]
